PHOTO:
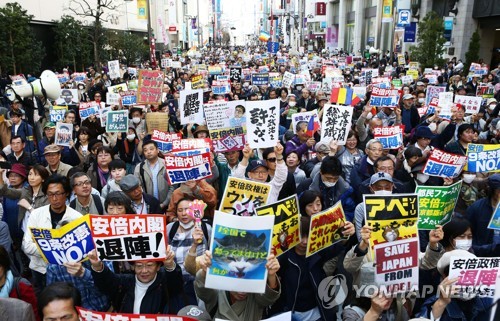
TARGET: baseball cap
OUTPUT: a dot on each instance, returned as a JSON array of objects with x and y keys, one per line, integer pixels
[
  {"x": 256, "y": 164},
  {"x": 420, "y": 83},
  {"x": 322, "y": 147},
  {"x": 408, "y": 96},
  {"x": 195, "y": 312},
  {"x": 380, "y": 176},
  {"x": 49, "y": 124},
  {"x": 52, "y": 148}
]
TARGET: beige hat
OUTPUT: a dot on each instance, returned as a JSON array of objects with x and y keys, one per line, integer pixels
[{"x": 52, "y": 148}]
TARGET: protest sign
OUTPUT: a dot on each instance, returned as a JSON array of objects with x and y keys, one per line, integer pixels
[
  {"x": 114, "y": 69},
  {"x": 436, "y": 204},
  {"x": 414, "y": 65},
  {"x": 129, "y": 97},
  {"x": 288, "y": 79},
  {"x": 226, "y": 122},
  {"x": 79, "y": 76},
  {"x": 495, "y": 219},
  {"x": 443, "y": 164},
  {"x": 165, "y": 139},
  {"x": 263, "y": 123},
  {"x": 433, "y": 92},
  {"x": 385, "y": 97},
  {"x": 117, "y": 121},
  {"x": 118, "y": 88},
  {"x": 432, "y": 79},
  {"x": 215, "y": 70},
  {"x": 286, "y": 230},
  {"x": 260, "y": 79},
  {"x": 406, "y": 80},
  {"x": 132, "y": 85},
  {"x": 113, "y": 99},
  {"x": 88, "y": 109},
  {"x": 413, "y": 74},
  {"x": 476, "y": 276},
  {"x": 221, "y": 87},
  {"x": 157, "y": 121},
  {"x": 241, "y": 196},
  {"x": 70, "y": 243},
  {"x": 56, "y": 113},
  {"x": 191, "y": 107},
  {"x": 129, "y": 237},
  {"x": 64, "y": 134},
  {"x": 287, "y": 316},
  {"x": 63, "y": 78},
  {"x": 305, "y": 116},
  {"x": 103, "y": 115},
  {"x": 188, "y": 144},
  {"x": 275, "y": 80},
  {"x": 68, "y": 97},
  {"x": 485, "y": 91},
  {"x": 360, "y": 92},
  {"x": 472, "y": 104},
  {"x": 88, "y": 315},
  {"x": 336, "y": 123},
  {"x": 240, "y": 247},
  {"x": 390, "y": 137},
  {"x": 181, "y": 169},
  {"x": 393, "y": 217},
  {"x": 197, "y": 82},
  {"x": 150, "y": 86},
  {"x": 325, "y": 229},
  {"x": 313, "y": 86},
  {"x": 397, "y": 265},
  {"x": 235, "y": 74}
]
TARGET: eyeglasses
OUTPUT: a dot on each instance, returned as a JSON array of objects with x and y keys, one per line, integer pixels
[
  {"x": 85, "y": 183},
  {"x": 52, "y": 195},
  {"x": 271, "y": 160}
]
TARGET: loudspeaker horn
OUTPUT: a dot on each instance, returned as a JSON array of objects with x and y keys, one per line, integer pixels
[{"x": 48, "y": 81}]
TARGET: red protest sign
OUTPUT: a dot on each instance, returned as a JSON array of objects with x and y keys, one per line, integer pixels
[{"x": 150, "y": 86}]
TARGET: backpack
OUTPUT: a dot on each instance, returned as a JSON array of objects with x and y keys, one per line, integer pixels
[
  {"x": 176, "y": 225},
  {"x": 97, "y": 202}
]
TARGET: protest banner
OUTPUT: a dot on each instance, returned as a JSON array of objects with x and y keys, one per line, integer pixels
[
  {"x": 157, "y": 121},
  {"x": 325, "y": 229},
  {"x": 68, "y": 97},
  {"x": 275, "y": 80},
  {"x": 392, "y": 217},
  {"x": 117, "y": 121},
  {"x": 129, "y": 237},
  {"x": 260, "y": 79},
  {"x": 63, "y": 78},
  {"x": 397, "y": 265},
  {"x": 397, "y": 83},
  {"x": 227, "y": 124},
  {"x": 191, "y": 107},
  {"x": 197, "y": 82},
  {"x": 150, "y": 86},
  {"x": 64, "y": 134},
  {"x": 70, "y": 243},
  {"x": 88, "y": 315},
  {"x": 129, "y": 97},
  {"x": 188, "y": 144},
  {"x": 305, "y": 116},
  {"x": 414, "y": 65},
  {"x": 118, "y": 88},
  {"x": 471, "y": 103},
  {"x": 413, "y": 74},
  {"x": 287, "y": 316},
  {"x": 88, "y": 109},
  {"x": 221, "y": 87},
  {"x": 288, "y": 79},
  {"x": 113, "y": 99},
  {"x": 443, "y": 164},
  {"x": 263, "y": 123},
  {"x": 390, "y": 137},
  {"x": 114, "y": 69},
  {"x": 385, "y": 97},
  {"x": 406, "y": 80},
  {"x": 79, "y": 76},
  {"x": 56, "y": 113},
  {"x": 433, "y": 92},
  {"x": 432, "y": 79},
  {"x": 165, "y": 139},
  {"x": 436, "y": 204},
  {"x": 166, "y": 63},
  {"x": 181, "y": 169},
  {"x": 495, "y": 219},
  {"x": 476, "y": 276},
  {"x": 286, "y": 230},
  {"x": 336, "y": 123},
  {"x": 241, "y": 196},
  {"x": 240, "y": 247},
  {"x": 485, "y": 91},
  {"x": 313, "y": 86}
]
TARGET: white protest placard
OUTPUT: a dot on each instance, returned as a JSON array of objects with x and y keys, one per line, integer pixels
[
  {"x": 406, "y": 80},
  {"x": 443, "y": 164},
  {"x": 252, "y": 236},
  {"x": 288, "y": 79},
  {"x": 476, "y": 276},
  {"x": 226, "y": 122},
  {"x": 287, "y": 316},
  {"x": 103, "y": 115},
  {"x": 263, "y": 123},
  {"x": 64, "y": 134},
  {"x": 336, "y": 123},
  {"x": 68, "y": 97},
  {"x": 191, "y": 107},
  {"x": 433, "y": 91},
  {"x": 176, "y": 64},
  {"x": 88, "y": 109},
  {"x": 113, "y": 98},
  {"x": 114, "y": 69},
  {"x": 471, "y": 103},
  {"x": 305, "y": 116}
]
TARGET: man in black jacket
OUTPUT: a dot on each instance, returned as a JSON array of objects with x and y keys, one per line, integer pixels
[{"x": 142, "y": 203}]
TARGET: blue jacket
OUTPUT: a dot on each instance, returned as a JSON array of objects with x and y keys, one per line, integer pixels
[
  {"x": 25, "y": 130},
  {"x": 454, "y": 312},
  {"x": 483, "y": 241},
  {"x": 360, "y": 172}
]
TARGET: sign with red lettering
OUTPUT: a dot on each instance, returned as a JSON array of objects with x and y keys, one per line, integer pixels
[
  {"x": 385, "y": 97},
  {"x": 150, "y": 86},
  {"x": 443, "y": 164},
  {"x": 476, "y": 276},
  {"x": 88, "y": 315}
]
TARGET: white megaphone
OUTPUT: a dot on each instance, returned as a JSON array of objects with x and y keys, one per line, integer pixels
[
  {"x": 373, "y": 51},
  {"x": 48, "y": 81}
]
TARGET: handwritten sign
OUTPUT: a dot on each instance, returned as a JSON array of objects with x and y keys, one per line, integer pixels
[
  {"x": 336, "y": 123},
  {"x": 150, "y": 86},
  {"x": 263, "y": 123}
]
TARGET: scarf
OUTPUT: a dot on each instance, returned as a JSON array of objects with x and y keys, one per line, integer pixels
[
  {"x": 7, "y": 287},
  {"x": 102, "y": 178}
]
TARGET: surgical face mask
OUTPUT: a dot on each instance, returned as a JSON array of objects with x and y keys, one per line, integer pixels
[
  {"x": 131, "y": 137},
  {"x": 329, "y": 184},
  {"x": 187, "y": 226},
  {"x": 421, "y": 100},
  {"x": 468, "y": 178},
  {"x": 382, "y": 192},
  {"x": 136, "y": 120},
  {"x": 292, "y": 103},
  {"x": 491, "y": 106},
  {"x": 422, "y": 178},
  {"x": 463, "y": 244}
]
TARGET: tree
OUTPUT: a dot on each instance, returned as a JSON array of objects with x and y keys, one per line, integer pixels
[
  {"x": 20, "y": 52},
  {"x": 96, "y": 12},
  {"x": 72, "y": 43},
  {"x": 472, "y": 54},
  {"x": 131, "y": 47},
  {"x": 430, "y": 48}
]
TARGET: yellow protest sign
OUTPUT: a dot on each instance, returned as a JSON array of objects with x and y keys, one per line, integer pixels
[{"x": 242, "y": 196}]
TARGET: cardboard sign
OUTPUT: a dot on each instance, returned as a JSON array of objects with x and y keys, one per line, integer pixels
[
  {"x": 336, "y": 123},
  {"x": 443, "y": 164},
  {"x": 181, "y": 169},
  {"x": 436, "y": 204},
  {"x": 165, "y": 139},
  {"x": 70, "y": 243},
  {"x": 242, "y": 196},
  {"x": 117, "y": 121},
  {"x": 476, "y": 276},
  {"x": 129, "y": 237},
  {"x": 150, "y": 86},
  {"x": 191, "y": 107},
  {"x": 286, "y": 230},
  {"x": 237, "y": 241},
  {"x": 390, "y": 137},
  {"x": 157, "y": 121},
  {"x": 325, "y": 229},
  {"x": 64, "y": 134},
  {"x": 385, "y": 97},
  {"x": 263, "y": 123}
]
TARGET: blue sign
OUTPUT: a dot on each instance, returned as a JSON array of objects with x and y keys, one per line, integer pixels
[
  {"x": 260, "y": 79},
  {"x": 273, "y": 47},
  {"x": 410, "y": 32},
  {"x": 404, "y": 17}
]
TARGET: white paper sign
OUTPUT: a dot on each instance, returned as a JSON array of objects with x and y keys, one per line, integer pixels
[
  {"x": 114, "y": 69},
  {"x": 64, "y": 134},
  {"x": 191, "y": 107},
  {"x": 263, "y": 123},
  {"x": 68, "y": 97},
  {"x": 305, "y": 116},
  {"x": 336, "y": 123},
  {"x": 288, "y": 79},
  {"x": 112, "y": 98},
  {"x": 471, "y": 103}
]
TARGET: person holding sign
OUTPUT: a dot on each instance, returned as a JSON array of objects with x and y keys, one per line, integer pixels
[{"x": 238, "y": 306}]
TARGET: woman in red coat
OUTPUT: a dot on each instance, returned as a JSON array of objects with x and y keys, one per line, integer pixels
[{"x": 15, "y": 287}]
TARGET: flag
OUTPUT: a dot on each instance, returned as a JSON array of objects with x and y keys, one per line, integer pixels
[
  {"x": 312, "y": 127},
  {"x": 264, "y": 36},
  {"x": 344, "y": 96}
]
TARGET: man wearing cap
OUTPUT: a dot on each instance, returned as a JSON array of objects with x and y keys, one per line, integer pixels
[
  {"x": 141, "y": 202},
  {"x": 18, "y": 153},
  {"x": 49, "y": 130},
  {"x": 409, "y": 114},
  {"x": 195, "y": 312},
  {"x": 420, "y": 86},
  {"x": 21, "y": 128},
  {"x": 52, "y": 154}
]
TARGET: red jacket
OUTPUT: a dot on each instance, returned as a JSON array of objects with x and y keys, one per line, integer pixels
[{"x": 27, "y": 294}]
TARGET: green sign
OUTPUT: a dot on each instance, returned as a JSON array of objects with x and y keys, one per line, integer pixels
[
  {"x": 436, "y": 204},
  {"x": 398, "y": 83}
]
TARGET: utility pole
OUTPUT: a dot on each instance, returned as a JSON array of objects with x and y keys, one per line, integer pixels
[{"x": 151, "y": 40}]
